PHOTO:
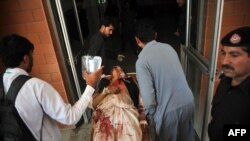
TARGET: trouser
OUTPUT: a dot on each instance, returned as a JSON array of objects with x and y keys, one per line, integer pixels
[
  {"x": 177, "y": 125},
  {"x": 151, "y": 128}
]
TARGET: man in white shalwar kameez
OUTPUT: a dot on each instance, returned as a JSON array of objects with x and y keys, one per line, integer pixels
[{"x": 38, "y": 103}]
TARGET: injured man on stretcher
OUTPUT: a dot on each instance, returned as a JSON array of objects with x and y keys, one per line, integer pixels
[{"x": 117, "y": 109}]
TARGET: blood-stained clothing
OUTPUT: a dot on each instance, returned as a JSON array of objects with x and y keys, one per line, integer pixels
[{"x": 116, "y": 118}]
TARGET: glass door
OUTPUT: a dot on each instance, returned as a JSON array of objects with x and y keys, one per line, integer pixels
[
  {"x": 73, "y": 21},
  {"x": 198, "y": 56}
]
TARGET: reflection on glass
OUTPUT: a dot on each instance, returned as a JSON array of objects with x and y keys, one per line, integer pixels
[{"x": 198, "y": 85}]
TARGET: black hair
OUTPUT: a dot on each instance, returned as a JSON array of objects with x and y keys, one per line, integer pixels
[
  {"x": 79, "y": 0},
  {"x": 107, "y": 21},
  {"x": 145, "y": 30},
  {"x": 13, "y": 48}
]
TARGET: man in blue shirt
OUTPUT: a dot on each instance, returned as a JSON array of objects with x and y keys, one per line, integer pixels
[{"x": 167, "y": 98}]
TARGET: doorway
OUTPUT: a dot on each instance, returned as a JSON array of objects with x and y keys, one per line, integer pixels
[
  {"x": 76, "y": 21},
  {"x": 199, "y": 56}
]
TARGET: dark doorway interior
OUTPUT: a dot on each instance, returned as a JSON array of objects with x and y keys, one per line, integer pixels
[{"x": 165, "y": 15}]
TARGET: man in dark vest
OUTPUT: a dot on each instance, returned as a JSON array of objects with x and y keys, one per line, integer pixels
[{"x": 231, "y": 103}]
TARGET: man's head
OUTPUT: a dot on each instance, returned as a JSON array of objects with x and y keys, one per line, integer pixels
[
  {"x": 236, "y": 53},
  {"x": 16, "y": 51},
  {"x": 144, "y": 32},
  {"x": 107, "y": 26},
  {"x": 117, "y": 72}
]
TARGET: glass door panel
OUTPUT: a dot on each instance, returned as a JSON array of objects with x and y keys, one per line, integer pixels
[
  {"x": 72, "y": 22},
  {"x": 198, "y": 83},
  {"x": 198, "y": 57}
]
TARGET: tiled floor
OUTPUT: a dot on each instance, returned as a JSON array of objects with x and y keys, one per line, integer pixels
[{"x": 80, "y": 134}]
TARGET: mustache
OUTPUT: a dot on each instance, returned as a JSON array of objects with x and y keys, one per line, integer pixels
[{"x": 226, "y": 66}]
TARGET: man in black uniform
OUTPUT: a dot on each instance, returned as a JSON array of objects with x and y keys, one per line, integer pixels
[
  {"x": 231, "y": 103},
  {"x": 98, "y": 44}
]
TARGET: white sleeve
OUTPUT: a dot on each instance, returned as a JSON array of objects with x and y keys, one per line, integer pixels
[{"x": 54, "y": 106}]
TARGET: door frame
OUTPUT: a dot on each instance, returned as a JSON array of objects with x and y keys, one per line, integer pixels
[{"x": 207, "y": 67}]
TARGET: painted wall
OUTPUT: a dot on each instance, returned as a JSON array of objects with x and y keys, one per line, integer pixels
[
  {"x": 27, "y": 18},
  {"x": 236, "y": 14}
]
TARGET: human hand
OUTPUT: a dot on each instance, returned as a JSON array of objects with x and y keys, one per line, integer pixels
[
  {"x": 144, "y": 126},
  {"x": 120, "y": 57},
  {"x": 181, "y": 2},
  {"x": 92, "y": 78},
  {"x": 151, "y": 124}
]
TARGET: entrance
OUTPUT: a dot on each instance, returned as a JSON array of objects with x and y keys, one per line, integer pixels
[
  {"x": 74, "y": 23},
  {"x": 198, "y": 56}
]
